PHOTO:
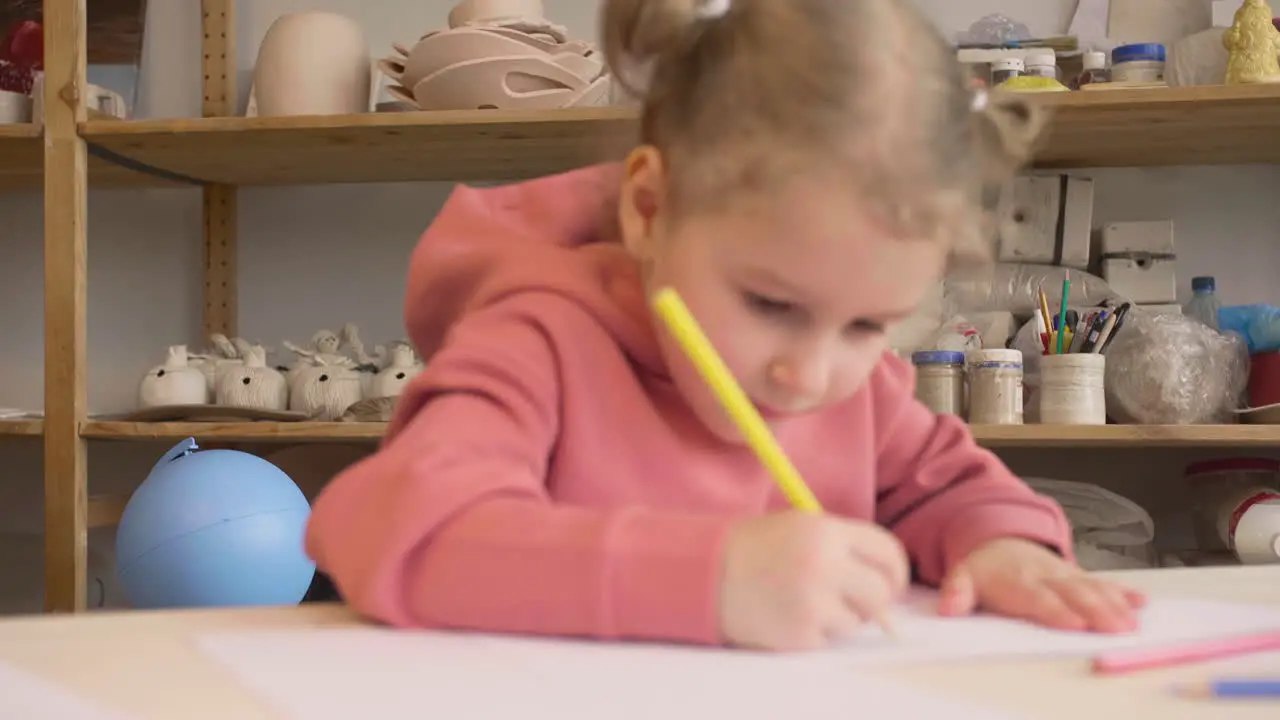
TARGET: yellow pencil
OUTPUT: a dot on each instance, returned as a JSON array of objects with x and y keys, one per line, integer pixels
[
  {"x": 735, "y": 402},
  {"x": 711, "y": 367}
]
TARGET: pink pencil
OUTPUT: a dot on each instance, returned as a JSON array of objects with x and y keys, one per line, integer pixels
[{"x": 1196, "y": 651}]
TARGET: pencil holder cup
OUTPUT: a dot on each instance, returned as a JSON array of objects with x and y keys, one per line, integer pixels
[{"x": 1072, "y": 391}]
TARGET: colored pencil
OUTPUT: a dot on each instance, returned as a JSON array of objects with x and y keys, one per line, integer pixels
[
  {"x": 1183, "y": 653},
  {"x": 1251, "y": 688},
  {"x": 1062, "y": 311}
]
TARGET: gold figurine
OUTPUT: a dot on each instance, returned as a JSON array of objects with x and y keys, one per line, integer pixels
[{"x": 1253, "y": 45}]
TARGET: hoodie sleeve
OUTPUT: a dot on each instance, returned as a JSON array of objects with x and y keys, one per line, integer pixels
[
  {"x": 450, "y": 523},
  {"x": 939, "y": 491}
]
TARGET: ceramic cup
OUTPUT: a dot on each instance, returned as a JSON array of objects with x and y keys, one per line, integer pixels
[
  {"x": 108, "y": 102},
  {"x": 14, "y": 108}
]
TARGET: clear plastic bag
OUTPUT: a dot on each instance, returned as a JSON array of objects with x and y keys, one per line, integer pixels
[
  {"x": 1110, "y": 530},
  {"x": 1013, "y": 287},
  {"x": 1165, "y": 369},
  {"x": 994, "y": 29}
]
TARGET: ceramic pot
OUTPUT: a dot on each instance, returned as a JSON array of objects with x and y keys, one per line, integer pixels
[
  {"x": 174, "y": 382},
  {"x": 252, "y": 384},
  {"x": 391, "y": 380},
  {"x": 324, "y": 392},
  {"x": 313, "y": 63}
]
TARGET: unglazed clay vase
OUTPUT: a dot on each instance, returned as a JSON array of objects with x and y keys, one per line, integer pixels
[{"x": 313, "y": 63}]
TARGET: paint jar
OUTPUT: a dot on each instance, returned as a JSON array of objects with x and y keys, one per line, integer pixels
[
  {"x": 1042, "y": 63},
  {"x": 995, "y": 386},
  {"x": 1093, "y": 70},
  {"x": 1138, "y": 63},
  {"x": 1005, "y": 68},
  {"x": 1235, "y": 507},
  {"x": 1072, "y": 391},
  {"x": 940, "y": 380}
]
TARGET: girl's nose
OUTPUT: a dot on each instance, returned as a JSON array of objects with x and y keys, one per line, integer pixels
[{"x": 803, "y": 381}]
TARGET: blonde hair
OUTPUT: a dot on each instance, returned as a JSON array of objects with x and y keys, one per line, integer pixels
[{"x": 745, "y": 94}]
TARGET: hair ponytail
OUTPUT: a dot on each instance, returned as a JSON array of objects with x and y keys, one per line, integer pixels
[
  {"x": 1009, "y": 130},
  {"x": 637, "y": 33}
]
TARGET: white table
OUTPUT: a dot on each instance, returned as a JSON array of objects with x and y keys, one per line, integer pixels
[{"x": 146, "y": 664}]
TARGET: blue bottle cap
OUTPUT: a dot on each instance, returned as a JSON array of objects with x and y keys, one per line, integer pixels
[
  {"x": 1137, "y": 51},
  {"x": 937, "y": 357},
  {"x": 1203, "y": 282}
]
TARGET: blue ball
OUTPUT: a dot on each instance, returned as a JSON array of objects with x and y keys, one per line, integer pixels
[{"x": 214, "y": 528}]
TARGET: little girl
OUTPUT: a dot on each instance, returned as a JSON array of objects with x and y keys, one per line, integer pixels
[{"x": 805, "y": 172}]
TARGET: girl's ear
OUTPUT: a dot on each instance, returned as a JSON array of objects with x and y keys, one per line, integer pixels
[{"x": 640, "y": 203}]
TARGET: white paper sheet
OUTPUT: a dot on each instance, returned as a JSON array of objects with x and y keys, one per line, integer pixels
[
  {"x": 393, "y": 675},
  {"x": 29, "y": 696},
  {"x": 924, "y": 636},
  {"x": 390, "y": 674}
]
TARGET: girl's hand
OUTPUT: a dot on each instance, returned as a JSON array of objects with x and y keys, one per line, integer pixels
[
  {"x": 1022, "y": 579},
  {"x": 796, "y": 581}
]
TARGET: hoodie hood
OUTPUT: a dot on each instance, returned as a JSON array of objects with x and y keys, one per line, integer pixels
[{"x": 540, "y": 235}]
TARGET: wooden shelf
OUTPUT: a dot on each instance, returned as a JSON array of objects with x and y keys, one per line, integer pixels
[
  {"x": 454, "y": 146},
  {"x": 21, "y": 428},
  {"x": 1127, "y": 436},
  {"x": 21, "y": 157},
  {"x": 1166, "y": 126},
  {"x": 993, "y": 436},
  {"x": 1201, "y": 125},
  {"x": 22, "y": 164},
  {"x": 235, "y": 432}
]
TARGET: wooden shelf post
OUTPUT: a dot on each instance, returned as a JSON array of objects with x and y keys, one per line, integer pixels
[
  {"x": 65, "y": 391},
  {"x": 220, "y": 212}
]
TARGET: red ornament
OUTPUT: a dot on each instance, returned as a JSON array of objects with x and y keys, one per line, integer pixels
[
  {"x": 23, "y": 44},
  {"x": 21, "y": 56}
]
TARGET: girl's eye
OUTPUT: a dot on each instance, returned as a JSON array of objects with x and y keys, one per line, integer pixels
[
  {"x": 864, "y": 327},
  {"x": 768, "y": 306}
]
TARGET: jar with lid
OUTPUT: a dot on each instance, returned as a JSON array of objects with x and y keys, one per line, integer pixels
[
  {"x": 1138, "y": 63},
  {"x": 1093, "y": 70},
  {"x": 995, "y": 386},
  {"x": 1006, "y": 68},
  {"x": 1235, "y": 506},
  {"x": 940, "y": 380},
  {"x": 1042, "y": 63}
]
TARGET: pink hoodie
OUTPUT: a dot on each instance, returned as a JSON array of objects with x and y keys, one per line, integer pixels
[{"x": 543, "y": 476}]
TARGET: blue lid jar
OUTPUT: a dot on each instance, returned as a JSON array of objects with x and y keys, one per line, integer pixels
[
  {"x": 1137, "y": 52},
  {"x": 937, "y": 357}
]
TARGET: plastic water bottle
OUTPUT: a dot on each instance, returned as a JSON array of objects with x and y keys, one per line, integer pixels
[{"x": 1204, "y": 303}]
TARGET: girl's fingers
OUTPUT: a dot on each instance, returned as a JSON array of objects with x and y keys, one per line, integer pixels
[
  {"x": 868, "y": 593},
  {"x": 1101, "y": 603},
  {"x": 1135, "y": 598},
  {"x": 1039, "y": 602},
  {"x": 881, "y": 549},
  {"x": 957, "y": 596}
]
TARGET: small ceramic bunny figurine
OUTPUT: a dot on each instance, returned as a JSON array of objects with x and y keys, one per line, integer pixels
[
  {"x": 174, "y": 383},
  {"x": 223, "y": 355},
  {"x": 324, "y": 346},
  {"x": 391, "y": 380},
  {"x": 323, "y": 391},
  {"x": 252, "y": 384}
]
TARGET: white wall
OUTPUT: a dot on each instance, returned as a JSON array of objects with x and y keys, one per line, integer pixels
[{"x": 300, "y": 250}]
